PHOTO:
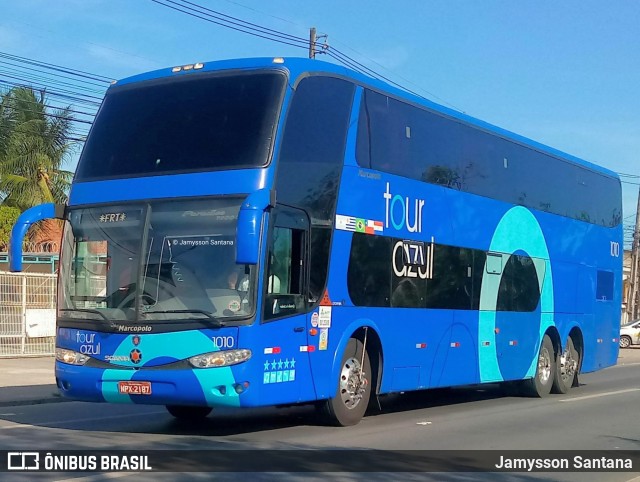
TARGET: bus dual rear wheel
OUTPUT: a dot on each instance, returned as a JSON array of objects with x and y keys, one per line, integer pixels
[
  {"x": 567, "y": 365},
  {"x": 349, "y": 404},
  {"x": 186, "y": 412},
  {"x": 540, "y": 385}
]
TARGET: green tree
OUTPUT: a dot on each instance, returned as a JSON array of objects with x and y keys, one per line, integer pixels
[
  {"x": 33, "y": 148},
  {"x": 8, "y": 217}
]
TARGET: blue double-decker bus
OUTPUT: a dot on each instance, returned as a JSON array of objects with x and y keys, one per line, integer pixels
[{"x": 265, "y": 232}]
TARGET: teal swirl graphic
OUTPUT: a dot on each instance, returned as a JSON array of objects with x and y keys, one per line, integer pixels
[
  {"x": 181, "y": 345},
  {"x": 518, "y": 230}
]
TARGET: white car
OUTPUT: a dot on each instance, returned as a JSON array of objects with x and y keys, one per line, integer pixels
[{"x": 630, "y": 334}]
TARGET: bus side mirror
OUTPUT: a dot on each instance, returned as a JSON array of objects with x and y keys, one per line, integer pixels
[
  {"x": 24, "y": 222},
  {"x": 250, "y": 224}
]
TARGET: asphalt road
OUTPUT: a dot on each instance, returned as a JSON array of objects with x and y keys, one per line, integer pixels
[{"x": 602, "y": 414}]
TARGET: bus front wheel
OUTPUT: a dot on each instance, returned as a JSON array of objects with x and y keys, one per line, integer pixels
[
  {"x": 540, "y": 384},
  {"x": 349, "y": 404},
  {"x": 186, "y": 412}
]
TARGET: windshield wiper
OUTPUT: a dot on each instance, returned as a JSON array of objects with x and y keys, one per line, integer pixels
[
  {"x": 86, "y": 310},
  {"x": 215, "y": 321}
]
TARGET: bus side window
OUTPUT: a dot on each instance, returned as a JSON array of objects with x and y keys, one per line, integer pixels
[{"x": 284, "y": 276}]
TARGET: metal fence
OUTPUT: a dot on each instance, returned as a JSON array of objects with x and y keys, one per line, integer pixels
[{"x": 27, "y": 314}]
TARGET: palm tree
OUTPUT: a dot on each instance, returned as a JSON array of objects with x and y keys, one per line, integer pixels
[{"x": 34, "y": 146}]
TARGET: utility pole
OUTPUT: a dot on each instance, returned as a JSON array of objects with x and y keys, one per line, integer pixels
[
  {"x": 633, "y": 301},
  {"x": 312, "y": 43}
]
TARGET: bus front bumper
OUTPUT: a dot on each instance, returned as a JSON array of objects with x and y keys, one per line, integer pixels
[{"x": 155, "y": 386}]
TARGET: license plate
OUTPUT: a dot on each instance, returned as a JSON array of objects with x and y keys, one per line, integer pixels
[{"x": 134, "y": 388}]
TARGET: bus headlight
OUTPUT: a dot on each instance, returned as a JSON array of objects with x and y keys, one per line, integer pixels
[
  {"x": 71, "y": 357},
  {"x": 222, "y": 358}
]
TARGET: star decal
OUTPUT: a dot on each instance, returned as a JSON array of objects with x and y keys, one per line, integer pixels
[{"x": 135, "y": 356}]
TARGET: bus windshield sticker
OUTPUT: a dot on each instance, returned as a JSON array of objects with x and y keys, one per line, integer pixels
[
  {"x": 193, "y": 241},
  {"x": 324, "y": 339},
  {"x": 217, "y": 214},
  {"x": 324, "y": 317},
  {"x": 90, "y": 218},
  {"x": 314, "y": 319},
  {"x": 112, "y": 217}
]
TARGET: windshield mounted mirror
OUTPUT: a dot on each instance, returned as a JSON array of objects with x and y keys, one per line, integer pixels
[
  {"x": 250, "y": 224},
  {"x": 24, "y": 222}
]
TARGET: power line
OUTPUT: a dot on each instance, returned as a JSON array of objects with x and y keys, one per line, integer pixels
[
  {"x": 61, "y": 86},
  {"x": 56, "y": 116},
  {"x": 54, "y": 93},
  {"x": 245, "y": 27},
  {"x": 357, "y": 66},
  {"x": 58, "y": 89},
  {"x": 34, "y": 70},
  {"x": 234, "y": 23},
  {"x": 238, "y": 21},
  {"x": 70, "y": 137},
  {"x": 263, "y": 13},
  {"x": 431, "y": 94},
  {"x": 33, "y": 102},
  {"x": 31, "y": 77},
  {"x": 57, "y": 68}
]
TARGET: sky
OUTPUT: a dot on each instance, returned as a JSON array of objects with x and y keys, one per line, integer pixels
[{"x": 566, "y": 74}]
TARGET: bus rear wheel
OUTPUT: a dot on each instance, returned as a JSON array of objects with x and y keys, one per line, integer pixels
[
  {"x": 186, "y": 412},
  {"x": 349, "y": 404},
  {"x": 567, "y": 365},
  {"x": 540, "y": 384}
]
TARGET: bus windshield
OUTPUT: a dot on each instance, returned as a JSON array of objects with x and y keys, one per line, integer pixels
[
  {"x": 163, "y": 261},
  {"x": 184, "y": 124}
]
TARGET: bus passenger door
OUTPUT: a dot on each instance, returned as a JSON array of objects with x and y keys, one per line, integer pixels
[{"x": 286, "y": 371}]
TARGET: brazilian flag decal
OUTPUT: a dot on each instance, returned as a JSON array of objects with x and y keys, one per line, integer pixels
[{"x": 361, "y": 224}]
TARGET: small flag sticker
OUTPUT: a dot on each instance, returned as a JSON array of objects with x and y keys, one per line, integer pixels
[
  {"x": 358, "y": 225},
  {"x": 373, "y": 226},
  {"x": 345, "y": 223}
]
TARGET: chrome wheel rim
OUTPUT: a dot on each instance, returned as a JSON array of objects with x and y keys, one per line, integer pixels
[
  {"x": 353, "y": 383},
  {"x": 544, "y": 366},
  {"x": 568, "y": 365}
]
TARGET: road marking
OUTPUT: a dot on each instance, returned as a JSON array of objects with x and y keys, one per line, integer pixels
[
  {"x": 77, "y": 420},
  {"x": 598, "y": 395},
  {"x": 107, "y": 475}
]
